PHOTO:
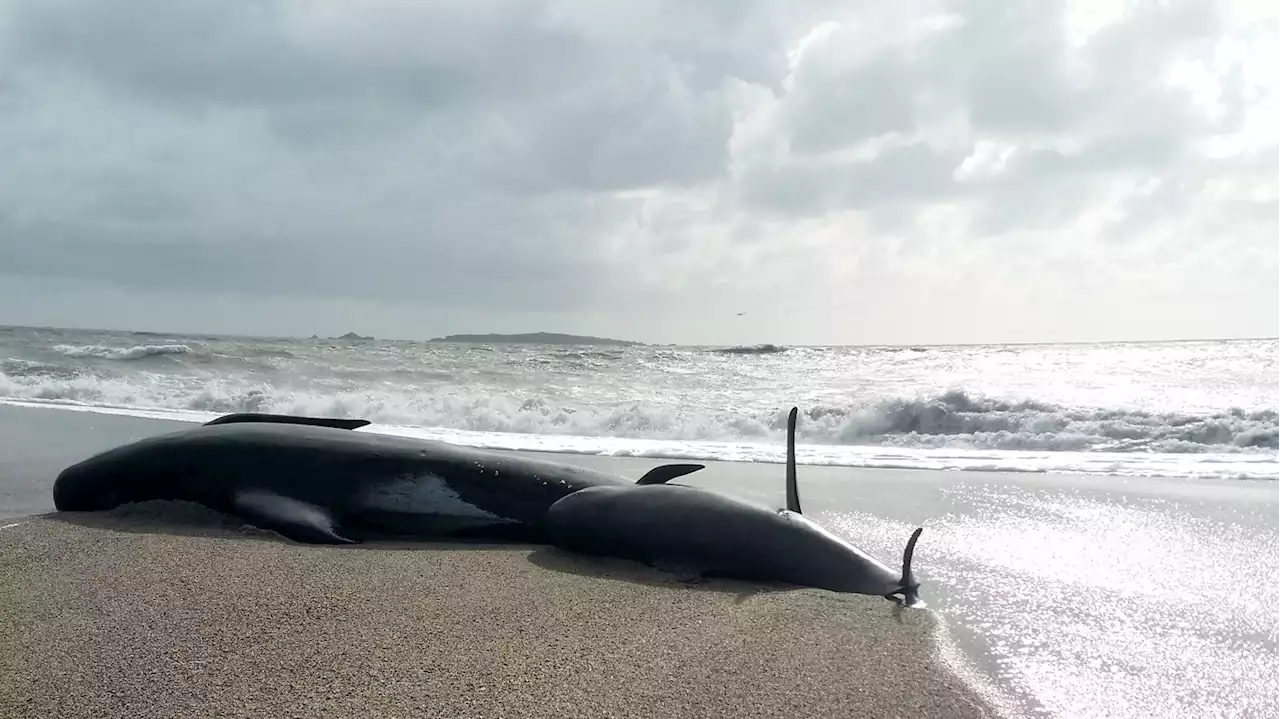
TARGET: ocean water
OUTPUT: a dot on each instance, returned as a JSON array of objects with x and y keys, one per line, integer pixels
[{"x": 1177, "y": 409}]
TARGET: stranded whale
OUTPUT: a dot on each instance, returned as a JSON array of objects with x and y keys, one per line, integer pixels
[
  {"x": 313, "y": 480},
  {"x": 687, "y": 528}
]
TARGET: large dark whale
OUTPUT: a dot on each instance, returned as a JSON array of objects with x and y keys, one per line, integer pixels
[
  {"x": 314, "y": 480},
  {"x": 692, "y": 529}
]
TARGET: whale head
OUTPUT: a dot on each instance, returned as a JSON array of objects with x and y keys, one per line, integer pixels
[{"x": 108, "y": 479}]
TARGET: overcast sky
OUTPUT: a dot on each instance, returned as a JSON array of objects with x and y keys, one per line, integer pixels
[{"x": 841, "y": 172}]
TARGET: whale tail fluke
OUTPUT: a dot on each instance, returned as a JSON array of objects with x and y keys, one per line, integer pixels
[
  {"x": 908, "y": 586},
  {"x": 793, "y": 494}
]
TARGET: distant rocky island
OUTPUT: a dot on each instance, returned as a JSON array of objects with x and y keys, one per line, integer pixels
[
  {"x": 352, "y": 336},
  {"x": 535, "y": 338}
]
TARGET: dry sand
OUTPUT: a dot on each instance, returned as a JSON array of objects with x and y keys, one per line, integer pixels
[{"x": 170, "y": 611}]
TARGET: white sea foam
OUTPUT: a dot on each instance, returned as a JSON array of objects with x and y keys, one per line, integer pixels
[
  {"x": 1204, "y": 409},
  {"x": 953, "y": 419},
  {"x": 1131, "y": 464},
  {"x": 121, "y": 353}
]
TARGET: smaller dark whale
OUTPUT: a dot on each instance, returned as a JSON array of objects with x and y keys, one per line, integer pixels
[
  {"x": 715, "y": 535},
  {"x": 313, "y": 480}
]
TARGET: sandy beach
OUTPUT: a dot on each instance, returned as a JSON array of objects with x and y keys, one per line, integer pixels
[
  {"x": 1049, "y": 595},
  {"x": 171, "y": 610}
]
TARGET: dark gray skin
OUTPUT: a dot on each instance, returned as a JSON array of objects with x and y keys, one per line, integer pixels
[
  {"x": 288, "y": 419},
  {"x": 714, "y": 535},
  {"x": 317, "y": 482}
]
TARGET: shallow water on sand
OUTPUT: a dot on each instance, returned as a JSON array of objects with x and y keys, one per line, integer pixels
[{"x": 1088, "y": 601}]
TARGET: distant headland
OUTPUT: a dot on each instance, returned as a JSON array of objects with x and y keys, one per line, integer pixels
[{"x": 535, "y": 338}]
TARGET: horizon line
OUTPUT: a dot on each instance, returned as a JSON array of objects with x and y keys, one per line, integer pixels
[{"x": 223, "y": 335}]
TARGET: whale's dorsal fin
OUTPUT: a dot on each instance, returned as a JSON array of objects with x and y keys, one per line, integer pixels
[
  {"x": 667, "y": 472},
  {"x": 289, "y": 419},
  {"x": 793, "y": 494}
]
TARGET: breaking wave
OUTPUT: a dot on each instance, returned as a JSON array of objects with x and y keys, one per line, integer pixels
[
  {"x": 121, "y": 353},
  {"x": 764, "y": 349},
  {"x": 982, "y": 423},
  {"x": 953, "y": 419}
]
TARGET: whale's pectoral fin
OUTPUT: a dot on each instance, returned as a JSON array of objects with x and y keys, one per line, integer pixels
[
  {"x": 333, "y": 422},
  {"x": 682, "y": 572},
  {"x": 293, "y": 518},
  {"x": 668, "y": 472}
]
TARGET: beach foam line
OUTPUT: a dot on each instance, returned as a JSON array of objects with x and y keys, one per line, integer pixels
[
  {"x": 1243, "y": 466},
  {"x": 171, "y": 415}
]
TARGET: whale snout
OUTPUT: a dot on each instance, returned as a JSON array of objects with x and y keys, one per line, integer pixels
[{"x": 85, "y": 487}]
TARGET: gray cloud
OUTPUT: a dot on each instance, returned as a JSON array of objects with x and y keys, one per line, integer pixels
[{"x": 643, "y": 169}]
